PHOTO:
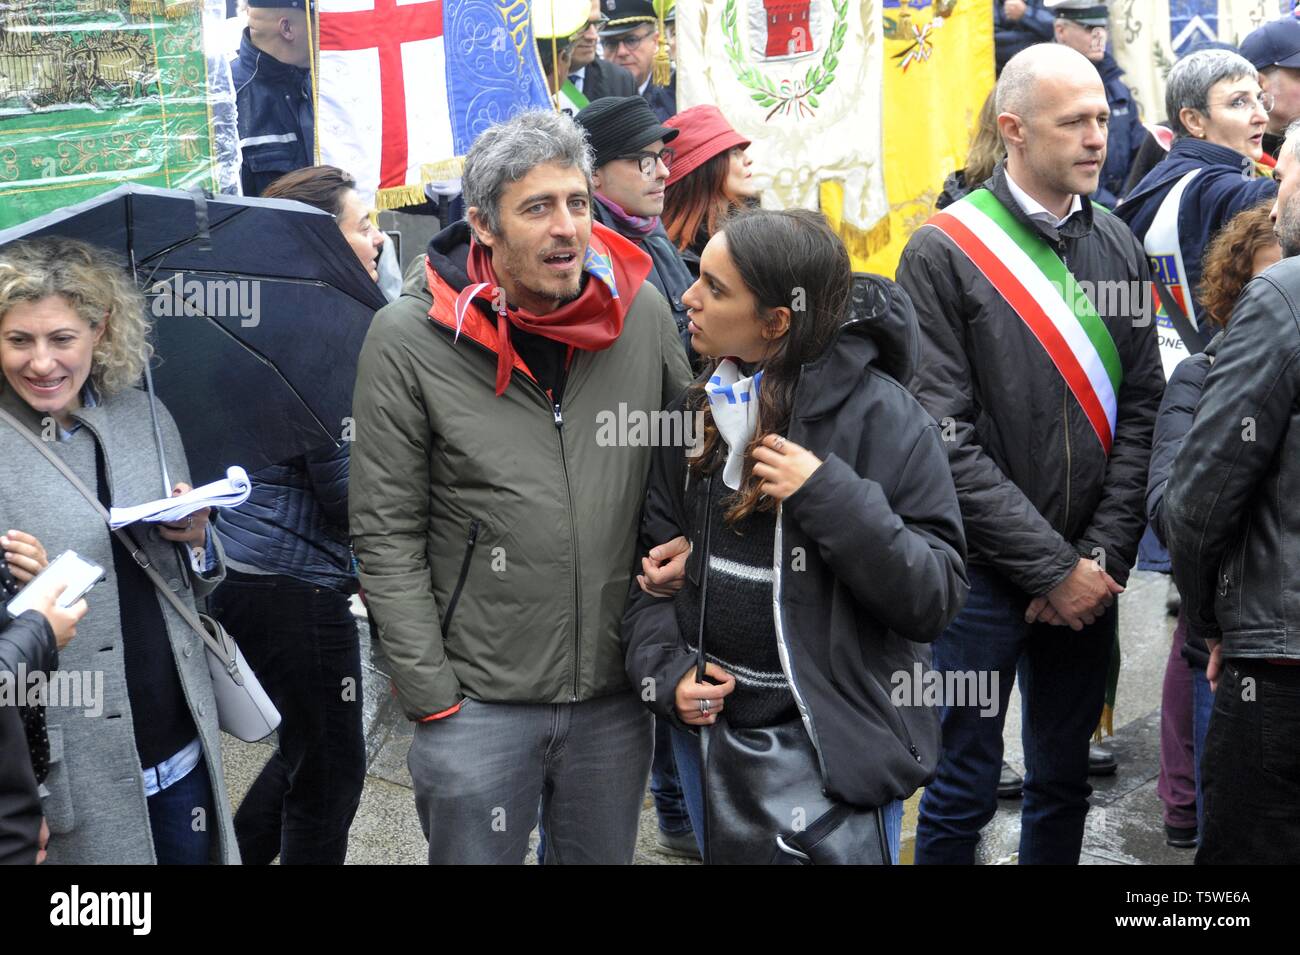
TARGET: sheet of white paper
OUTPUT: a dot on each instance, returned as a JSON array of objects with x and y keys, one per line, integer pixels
[{"x": 232, "y": 491}]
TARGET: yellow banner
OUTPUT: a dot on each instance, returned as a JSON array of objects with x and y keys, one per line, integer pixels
[{"x": 938, "y": 70}]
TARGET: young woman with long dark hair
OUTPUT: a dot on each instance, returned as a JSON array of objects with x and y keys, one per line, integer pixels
[{"x": 827, "y": 544}]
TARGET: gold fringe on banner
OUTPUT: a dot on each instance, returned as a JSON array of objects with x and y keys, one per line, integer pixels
[
  {"x": 171, "y": 9},
  {"x": 443, "y": 171},
  {"x": 861, "y": 243},
  {"x": 412, "y": 195},
  {"x": 399, "y": 196}
]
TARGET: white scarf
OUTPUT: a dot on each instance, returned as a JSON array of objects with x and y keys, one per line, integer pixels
[{"x": 733, "y": 400}]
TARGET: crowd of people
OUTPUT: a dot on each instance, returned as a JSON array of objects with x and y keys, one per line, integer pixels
[{"x": 953, "y": 471}]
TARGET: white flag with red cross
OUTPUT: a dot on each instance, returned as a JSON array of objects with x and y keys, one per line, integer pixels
[{"x": 404, "y": 86}]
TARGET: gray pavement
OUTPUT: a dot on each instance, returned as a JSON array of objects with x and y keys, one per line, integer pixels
[{"x": 1124, "y": 826}]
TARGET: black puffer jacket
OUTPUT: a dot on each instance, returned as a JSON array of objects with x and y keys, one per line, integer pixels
[
  {"x": 1037, "y": 491},
  {"x": 295, "y": 522},
  {"x": 868, "y": 559},
  {"x": 1177, "y": 409},
  {"x": 1230, "y": 512}
]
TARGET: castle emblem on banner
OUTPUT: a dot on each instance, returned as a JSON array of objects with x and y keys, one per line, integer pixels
[
  {"x": 784, "y": 29},
  {"x": 781, "y": 33}
]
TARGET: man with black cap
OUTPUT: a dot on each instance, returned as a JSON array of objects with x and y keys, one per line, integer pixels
[
  {"x": 1082, "y": 25},
  {"x": 636, "y": 39},
  {"x": 593, "y": 76},
  {"x": 631, "y": 165},
  {"x": 273, "y": 93},
  {"x": 1273, "y": 48}
]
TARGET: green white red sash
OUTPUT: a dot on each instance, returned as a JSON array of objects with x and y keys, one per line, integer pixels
[
  {"x": 1033, "y": 280},
  {"x": 569, "y": 98}
]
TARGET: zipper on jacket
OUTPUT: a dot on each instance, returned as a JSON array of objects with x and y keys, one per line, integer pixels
[
  {"x": 464, "y": 573},
  {"x": 782, "y": 648},
  {"x": 558, "y": 416},
  {"x": 577, "y": 576},
  {"x": 1065, "y": 419}
]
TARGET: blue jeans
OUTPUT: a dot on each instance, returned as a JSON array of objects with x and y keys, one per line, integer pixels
[
  {"x": 1202, "y": 706},
  {"x": 665, "y": 787},
  {"x": 686, "y": 753},
  {"x": 181, "y": 816},
  {"x": 1062, "y": 676}
]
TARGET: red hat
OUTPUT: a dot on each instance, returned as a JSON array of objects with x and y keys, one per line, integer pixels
[{"x": 705, "y": 133}]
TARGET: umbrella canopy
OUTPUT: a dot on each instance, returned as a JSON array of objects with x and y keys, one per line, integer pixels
[{"x": 259, "y": 309}]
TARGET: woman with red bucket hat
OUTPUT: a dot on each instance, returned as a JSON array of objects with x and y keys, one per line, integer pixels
[{"x": 710, "y": 178}]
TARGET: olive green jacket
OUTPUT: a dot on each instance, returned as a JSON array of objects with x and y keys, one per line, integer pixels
[{"x": 496, "y": 536}]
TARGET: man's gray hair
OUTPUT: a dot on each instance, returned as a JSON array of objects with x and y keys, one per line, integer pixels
[
  {"x": 1291, "y": 141},
  {"x": 508, "y": 151},
  {"x": 1189, "y": 83}
]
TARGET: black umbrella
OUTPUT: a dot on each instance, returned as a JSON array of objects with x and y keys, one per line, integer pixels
[{"x": 259, "y": 310}]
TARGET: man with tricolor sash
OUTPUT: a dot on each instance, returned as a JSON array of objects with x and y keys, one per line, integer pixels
[{"x": 1046, "y": 400}]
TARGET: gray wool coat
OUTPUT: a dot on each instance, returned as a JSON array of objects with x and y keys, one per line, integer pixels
[{"x": 96, "y": 805}]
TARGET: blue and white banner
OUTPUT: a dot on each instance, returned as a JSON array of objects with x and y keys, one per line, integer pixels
[{"x": 1147, "y": 36}]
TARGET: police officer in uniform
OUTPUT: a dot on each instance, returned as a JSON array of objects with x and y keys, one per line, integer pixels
[{"x": 273, "y": 93}]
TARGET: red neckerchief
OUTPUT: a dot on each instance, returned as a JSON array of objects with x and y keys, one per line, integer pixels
[{"x": 591, "y": 322}]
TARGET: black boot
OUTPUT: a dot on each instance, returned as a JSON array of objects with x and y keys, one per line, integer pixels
[
  {"x": 1010, "y": 784},
  {"x": 1101, "y": 762}
]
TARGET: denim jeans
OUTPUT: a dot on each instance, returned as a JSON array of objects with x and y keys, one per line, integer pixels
[
  {"x": 665, "y": 787},
  {"x": 1251, "y": 769},
  {"x": 303, "y": 644},
  {"x": 181, "y": 817},
  {"x": 1062, "y": 675},
  {"x": 1202, "y": 705},
  {"x": 479, "y": 774},
  {"x": 686, "y": 753}
]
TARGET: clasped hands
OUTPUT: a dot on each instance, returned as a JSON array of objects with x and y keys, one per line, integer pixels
[{"x": 1077, "y": 601}]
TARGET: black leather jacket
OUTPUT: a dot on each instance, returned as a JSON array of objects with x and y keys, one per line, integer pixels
[
  {"x": 1037, "y": 491},
  {"x": 1230, "y": 511}
]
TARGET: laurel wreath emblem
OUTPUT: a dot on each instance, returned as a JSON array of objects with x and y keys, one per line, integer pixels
[{"x": 799, "y": 95}]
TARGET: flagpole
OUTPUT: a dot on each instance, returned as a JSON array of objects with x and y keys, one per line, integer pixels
[{"x": 312, "y": 54}]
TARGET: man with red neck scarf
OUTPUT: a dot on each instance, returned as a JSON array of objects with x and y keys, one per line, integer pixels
[{"x": 496, "y": 486}]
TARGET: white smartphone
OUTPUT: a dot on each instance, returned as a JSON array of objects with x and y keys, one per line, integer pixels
[{"x": 68, "y": 568}]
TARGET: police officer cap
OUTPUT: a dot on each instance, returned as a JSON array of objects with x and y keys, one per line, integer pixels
[{"x": 1088, "y": 13}]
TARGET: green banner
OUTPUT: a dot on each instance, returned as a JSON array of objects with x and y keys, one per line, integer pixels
[{"x": 95, "y": 93}]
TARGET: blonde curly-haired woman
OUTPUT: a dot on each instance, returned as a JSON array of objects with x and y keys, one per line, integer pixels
[{"x": 135, "y": 764}]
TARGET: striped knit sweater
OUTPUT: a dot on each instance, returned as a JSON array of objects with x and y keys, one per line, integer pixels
[{"x": 739, "y": 634}]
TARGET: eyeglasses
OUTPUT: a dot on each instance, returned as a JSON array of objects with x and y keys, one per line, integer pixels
[
  {"x": 598, "y": 24},
  {"x": 647, "y": 161},
  {"x": 631, "y": 42},
  {"x": 1247, "y": 103}
]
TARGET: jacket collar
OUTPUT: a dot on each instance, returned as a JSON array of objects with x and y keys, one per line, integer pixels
[
  {"x": 265, "y": 66},
  {"x": 1185, "y": 155},
  {"x": 1075, "y": 227}
]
